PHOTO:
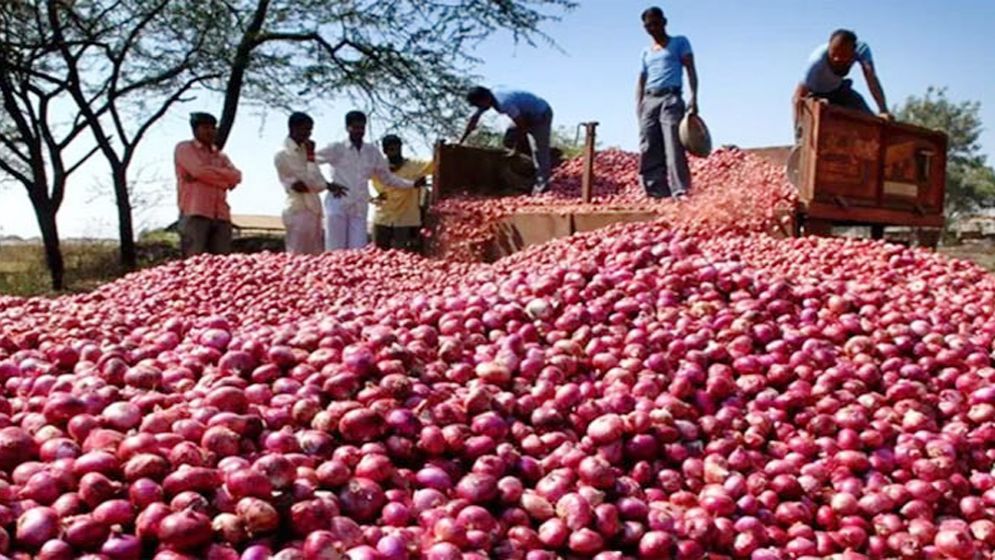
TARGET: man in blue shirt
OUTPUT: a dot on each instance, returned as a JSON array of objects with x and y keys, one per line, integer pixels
[
  {"x": 828, "y": 66},
  {"x": 533, "y": 119},
  {"x": 663, "y": 167}
]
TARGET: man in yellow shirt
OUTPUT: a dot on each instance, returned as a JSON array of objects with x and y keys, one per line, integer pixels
[{"x": 397, "y": 218}]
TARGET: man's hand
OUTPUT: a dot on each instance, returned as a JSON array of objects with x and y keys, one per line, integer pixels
[
  {"x": 420, "y": 182},
  {"x": 337, "y": 190},
  {"x": 379, "y": 199},
  {"x": 886, "y": 116},
  {"x": 299, "y": 186},
  {"x": 511, "y": 154}
]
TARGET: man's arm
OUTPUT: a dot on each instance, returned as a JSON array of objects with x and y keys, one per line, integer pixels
[
  {"x": 297, "y": 177},
  {"x": 330, "y": 154},
  {"x": 640, "y": 90},
  {"x": 874, "y": 84},
  {"x": 381, "y": 170},
  {"x": 801, "y": 92},
  {"x": 189, "y": 162},
  {"x": 471, "y": 125},
  {"x": 688, "y": 61},
  {"x": 236, "y": 175}
]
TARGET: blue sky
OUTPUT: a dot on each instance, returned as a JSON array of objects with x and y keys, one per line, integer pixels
[{"x": 750, "y": 55}]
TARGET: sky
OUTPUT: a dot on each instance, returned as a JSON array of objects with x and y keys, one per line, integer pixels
[{"x": 749, "y": 54}]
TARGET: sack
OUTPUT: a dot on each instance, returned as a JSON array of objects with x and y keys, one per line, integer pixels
[{"x": 694, "y": 135}]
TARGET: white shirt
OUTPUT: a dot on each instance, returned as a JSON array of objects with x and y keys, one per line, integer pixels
[
  {"x": 292, "y": 166},
  {"x": 353, "y": 169}
]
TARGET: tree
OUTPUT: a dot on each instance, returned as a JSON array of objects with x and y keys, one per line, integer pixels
[
  {"x": 125, "y": 63},
  {"x": 407, "y": 60},
  {"x": 35, "y": 145},
  {"x": 970, "y": 180}
]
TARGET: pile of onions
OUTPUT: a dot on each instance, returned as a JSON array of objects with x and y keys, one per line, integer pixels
[{"x": 634, "y": 392}]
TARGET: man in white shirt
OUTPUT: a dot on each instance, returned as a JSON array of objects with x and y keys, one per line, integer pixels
[
  {"x": 354, "y": 163},
  {"x": 302, "y": 180}
]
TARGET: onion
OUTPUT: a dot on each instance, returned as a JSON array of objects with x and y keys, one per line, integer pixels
[
  {"x": 86, "y": 533},
  {"x": 257, "y": 516},
  {"x": 362, "y": 499},
  {"x": 185, "y": 530},
  {"x": 16, "y": 447},
  {"x": 36, "y": 526}
]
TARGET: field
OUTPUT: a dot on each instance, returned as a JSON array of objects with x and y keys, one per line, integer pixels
[{"x": 90, "y": 263}]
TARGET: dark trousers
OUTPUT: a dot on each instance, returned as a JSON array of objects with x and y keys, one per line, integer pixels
[
  {"x": 663, "y": 165},
  {"x": 390, "y": 237},
  {"x": 199, "y": 234},
  {"x": 844, "y": 96}
]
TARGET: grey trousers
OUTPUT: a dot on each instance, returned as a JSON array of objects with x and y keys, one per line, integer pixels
[
  {"x": 199, "y": 234},
  {"x": 663, "y": 165},
  {"x": 539, "y": 132}
]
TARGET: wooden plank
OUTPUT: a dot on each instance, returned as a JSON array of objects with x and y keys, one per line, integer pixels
[
  {"x": 886, "y": 216},
  {"x": 595, "y": 220}
]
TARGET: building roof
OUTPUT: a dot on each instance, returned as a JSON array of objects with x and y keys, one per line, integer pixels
[{"x": 257, "y": 222}]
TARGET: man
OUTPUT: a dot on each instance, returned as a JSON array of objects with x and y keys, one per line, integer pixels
[
  {"x": 203, "y": 178},
  {"x": 354, "y": 163},
  {"x": 533, "y": 119},
  {"x": 663, "y": 165},
  {"x": 828, "y": 66},
  {"x": 302, "y": 180},
  {"x": 397, "y": 217}
]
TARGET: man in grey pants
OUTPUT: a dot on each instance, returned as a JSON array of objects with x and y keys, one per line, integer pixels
[
  {"x": 663, "y": 167},
  {"x": 533, "y": 118}
]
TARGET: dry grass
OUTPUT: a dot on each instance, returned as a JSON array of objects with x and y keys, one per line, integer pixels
[
  {"x": 23, "y": 271},
  {"x": 981, "y": 254}
]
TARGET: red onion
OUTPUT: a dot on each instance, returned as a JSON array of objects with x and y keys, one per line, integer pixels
[
  {"x": 185, "y": 530},
  {"x": 37, "y": 525}
]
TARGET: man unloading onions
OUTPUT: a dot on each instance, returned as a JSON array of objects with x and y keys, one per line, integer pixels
[
  {"x": 533, "y": 119},
  {"x": 828, "y": 66}
]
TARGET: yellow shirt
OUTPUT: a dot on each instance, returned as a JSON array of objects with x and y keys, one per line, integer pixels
[{"x": 401, "y": 207}]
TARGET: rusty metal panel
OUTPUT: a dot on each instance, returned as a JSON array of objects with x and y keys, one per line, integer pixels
[
  {"x": 859, "y": 168},
  {"x": 847, "y": 163},
  {"x": 471, "y": 170},
  {"x": 463, "y": 169},
  {"x": 914, "y": 169}
]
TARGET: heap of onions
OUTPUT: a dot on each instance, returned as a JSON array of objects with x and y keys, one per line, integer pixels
[{"x": 634, "y": 392}]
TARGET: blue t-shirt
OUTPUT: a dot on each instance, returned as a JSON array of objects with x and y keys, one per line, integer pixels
[
  {"x": 664, "y": 68},
  {"x": 820, "y": 78},
  {"x": 519, "y": 104}
]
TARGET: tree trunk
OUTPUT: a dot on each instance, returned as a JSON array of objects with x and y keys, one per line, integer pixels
[
  {"x": 50, "y": 237},
  {"x": 236, "y": 76},
  {"x": 126, "y": 232}
]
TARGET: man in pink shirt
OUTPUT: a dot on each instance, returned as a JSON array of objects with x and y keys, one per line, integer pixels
[{"x": 203, "y": 178}]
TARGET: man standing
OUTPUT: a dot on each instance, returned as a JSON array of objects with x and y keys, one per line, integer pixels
[
  {"x": 397, "y": 216},
  {"x": 302, "y": 180},
  {"x": 828, "y": 67},
  {"x": 533, "y": 119},
  {"x": 354, "y": 163},
  {"x": 203, "y": 178},
  {"x": 663, "y": 165}
]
